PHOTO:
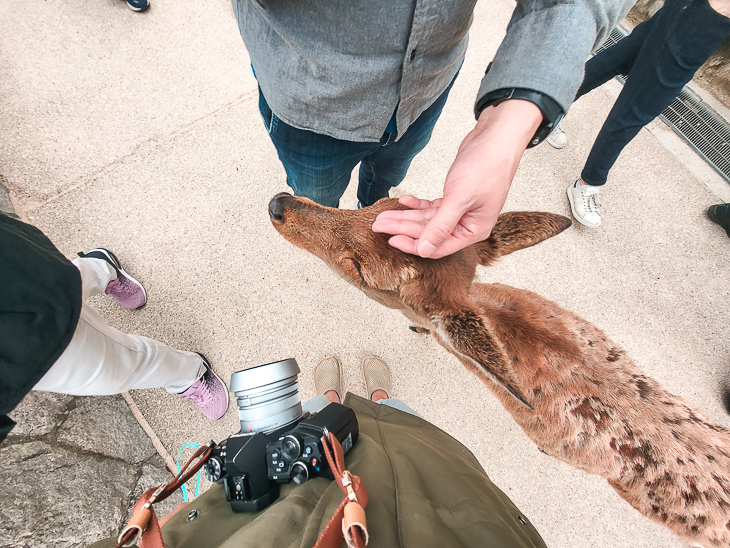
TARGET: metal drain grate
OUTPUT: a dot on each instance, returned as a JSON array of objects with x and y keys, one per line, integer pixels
[{"x": 705, "y": 131}]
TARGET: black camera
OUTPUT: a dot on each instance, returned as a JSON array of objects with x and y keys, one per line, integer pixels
[{"x": 253, "y": 463}]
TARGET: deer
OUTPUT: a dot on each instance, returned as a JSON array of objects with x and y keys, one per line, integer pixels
[{"x": 573, "y": 391}]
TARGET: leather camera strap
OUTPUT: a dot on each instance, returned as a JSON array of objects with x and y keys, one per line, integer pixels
[
  {"x": 143, "y": 525},
  {"x": 347, "y": 524}
]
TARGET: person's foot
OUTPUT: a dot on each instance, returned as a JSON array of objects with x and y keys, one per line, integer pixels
[
  {"x": 127, "y": 291},
  {"x": 377, "y": 378},
  {"x": 138, "y": 5},
  {"x": 585, "y": 204},
  {"x": 209, "y": 393},
  {"x": 720, "y": 214},
  {"x": 327, "y": 379},
  {"x": 557, "y": 137}
]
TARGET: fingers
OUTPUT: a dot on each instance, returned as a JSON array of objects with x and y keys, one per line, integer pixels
[
  {"x": 404, "y": 243},
  {"x": 439, "y": 229},
  {"x": 410, "y": 222},
  {"x": 410, "y": 245},
  {"x": 409, "y": 228},
  {"x": 431, "y": 228},
  {"x": 416, "y": 203}
]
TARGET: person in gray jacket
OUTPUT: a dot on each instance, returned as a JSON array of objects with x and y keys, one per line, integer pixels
[{"x": 364, "y": 81}]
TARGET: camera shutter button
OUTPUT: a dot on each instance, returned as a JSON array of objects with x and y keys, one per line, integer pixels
[{"x": 291, "y": 447}]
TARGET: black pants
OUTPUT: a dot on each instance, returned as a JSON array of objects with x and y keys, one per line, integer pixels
[{"x": 660, "y": 56}]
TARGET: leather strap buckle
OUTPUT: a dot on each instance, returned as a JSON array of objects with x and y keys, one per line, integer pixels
[
  {"x": 153, "y": 496},
  {"x": 134, "y": 538},
  {"x": 347, "y": 484}
]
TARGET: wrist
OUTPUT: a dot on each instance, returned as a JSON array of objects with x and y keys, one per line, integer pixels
[
  {"x": 551, "y": 111},
  {"x": 514, "y": 121}
]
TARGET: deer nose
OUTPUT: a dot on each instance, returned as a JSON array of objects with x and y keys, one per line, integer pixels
[{"x": 277, "y": 207}]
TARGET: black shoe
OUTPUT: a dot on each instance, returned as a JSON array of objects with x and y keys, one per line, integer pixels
[
  {"x": 720, "y": 214},
  {"x": 138, "y": 5}
]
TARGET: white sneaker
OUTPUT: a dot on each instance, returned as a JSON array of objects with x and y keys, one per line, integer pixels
[
  {"x": 557, "y": 137},
  {"x": 585, "y": 204}
]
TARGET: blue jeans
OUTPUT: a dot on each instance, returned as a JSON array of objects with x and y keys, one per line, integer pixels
[
  {"x": 319, "y": 167},
  {"x": 660, "y": 56}
]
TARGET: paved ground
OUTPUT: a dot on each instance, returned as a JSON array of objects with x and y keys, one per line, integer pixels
[
  {"x": 141, "y": 133},
  {"x": 72, "y": 469}
]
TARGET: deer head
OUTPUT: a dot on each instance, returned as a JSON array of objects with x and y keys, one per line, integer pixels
[{"x": 434, "y": 293}]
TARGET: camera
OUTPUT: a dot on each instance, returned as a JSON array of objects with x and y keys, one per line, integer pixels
[{"x": 278, "y": 443}]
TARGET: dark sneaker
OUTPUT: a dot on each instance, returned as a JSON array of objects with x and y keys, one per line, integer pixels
[
  {"x": 720, "y": 214},
  {"x": 127, "y": 291},
  {"x": 209, "y": 393},
  {"x": 138, "y": 5}
]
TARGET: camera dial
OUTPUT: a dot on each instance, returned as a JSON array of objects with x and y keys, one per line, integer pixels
[
  {"x": 291, "y": 447},
  {"x": 299, "y": 472},
  {"x": 213, "y": 469}
]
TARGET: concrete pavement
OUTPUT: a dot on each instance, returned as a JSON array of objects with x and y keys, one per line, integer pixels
[{"x": 141, "y": 133}]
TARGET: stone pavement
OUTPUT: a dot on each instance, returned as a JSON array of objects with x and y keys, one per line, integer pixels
[
  {"x": 72, "y": 469},
  {"x": 141, "y": 133}
]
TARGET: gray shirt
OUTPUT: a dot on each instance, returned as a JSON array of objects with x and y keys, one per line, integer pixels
[{"x": 341, "y": 67}]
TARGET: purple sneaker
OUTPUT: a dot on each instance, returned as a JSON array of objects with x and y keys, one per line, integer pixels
[
  {"x": 127, "y": 291},
  {"x": 209, "y": 393}
]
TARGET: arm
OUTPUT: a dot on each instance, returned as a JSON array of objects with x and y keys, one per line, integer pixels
[
  {"x": 545, "y": 49},
  {"x": 475, "y": 190}
]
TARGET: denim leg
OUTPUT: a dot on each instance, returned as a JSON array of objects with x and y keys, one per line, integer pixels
[
  {"x": 668, "y": 60},
  {"x": 614, "y": 60},
  {"x": 317, "y": 166},
  {"x": 316, "y": 404},
  {"x": 387, "y": 167}
]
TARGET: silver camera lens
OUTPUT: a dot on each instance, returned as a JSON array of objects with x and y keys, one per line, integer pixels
[{"x": 267, "y": 396}]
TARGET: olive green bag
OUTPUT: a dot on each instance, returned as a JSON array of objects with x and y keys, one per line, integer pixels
[{"x": 425, "y": 489}]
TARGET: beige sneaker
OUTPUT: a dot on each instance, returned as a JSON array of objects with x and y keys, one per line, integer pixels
[
  {"x": 377, "y": 375},
  {"x": 557, "y": 137},
  {"x": 327, "y": 376},
  {"x": 585, "y": 204}
]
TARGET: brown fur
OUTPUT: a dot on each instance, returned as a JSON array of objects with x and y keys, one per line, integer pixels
[{"x": 575, "y": 393}]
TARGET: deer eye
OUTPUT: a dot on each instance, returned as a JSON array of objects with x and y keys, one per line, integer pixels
[{"x": 357, "y": 268}]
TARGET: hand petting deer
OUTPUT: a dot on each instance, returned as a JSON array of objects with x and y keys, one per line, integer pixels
[{"x": 575, "y": 393}]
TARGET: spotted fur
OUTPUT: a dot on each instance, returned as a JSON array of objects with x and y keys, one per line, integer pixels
[{"x": 574, "y": 392}]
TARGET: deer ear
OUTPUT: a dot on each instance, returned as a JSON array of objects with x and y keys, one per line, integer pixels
[
  {"x": 517, "y": 230},
  {"x": 471, "y": 338}
]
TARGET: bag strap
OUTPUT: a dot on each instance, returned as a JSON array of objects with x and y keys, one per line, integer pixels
[
  {"x": 347, "y": 524},
  {"x": 144, "y": 525}
]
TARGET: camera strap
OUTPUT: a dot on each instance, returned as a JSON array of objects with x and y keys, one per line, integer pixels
[
  {"x": 144, "y": 525},
  {"x": 348, "y": 522}
]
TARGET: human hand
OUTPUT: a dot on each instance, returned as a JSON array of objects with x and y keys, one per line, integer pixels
[{"x": 475, "y": 190}]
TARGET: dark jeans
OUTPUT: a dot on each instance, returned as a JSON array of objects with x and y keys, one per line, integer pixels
[
  {"x": 319, "y": 167},
  {"x": 660, "y": 56}
]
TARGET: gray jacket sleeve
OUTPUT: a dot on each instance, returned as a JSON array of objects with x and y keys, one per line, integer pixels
[{"x": 548, "y": 43}]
